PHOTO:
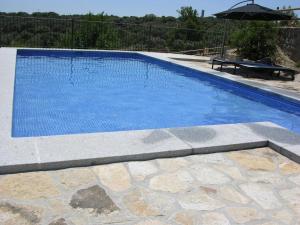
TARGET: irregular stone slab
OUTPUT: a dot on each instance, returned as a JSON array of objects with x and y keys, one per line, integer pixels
[
  {"x": 265, "y": 177},
  {"x": 94, "y": 198},
  {"x": 114, "y": 176},
  {"x": 244, "y": 214},
  {"x": 11, "y": 214},
  {"x": 214, "y": 158},
  {"x": 206, "y": 175},
  {"x": 60, "y": 221},
  {"x": 71, "y": 178},
  {"x": 262, "y": 194},
  {"x": 86, "y": 218},
  {"x": 295, "y": 179},
  {"x": 140, "y": 170},
  {"x": 214, "y": 218},
  {"x": 231, "y": 171},
  {"x": 58, "y": 207},
  {"x": 186, "y": 218},
  {"x": 268, "y": 152},
  {"x": 78, "y": 219},
  {"x": 137, "y": 204},
  {"x": 209, "y": 190},
  {"x": 165, "y": 203},
  {"x": 28, "y": 186},
  {"x": 230, "y": 194},
  {"x": 289, "y": 167},
  {"x": 293, "y": 197},
  {"x": 283, "y": 216},
  {"x": 151, "y": 222},
  {"x": 172, "y": 182},
  {"x": 252, "y": 162},
  {"x": 270, "y": 223},
  {"x": 200, "y": 201},
  {"x": 171, "y": 165}
]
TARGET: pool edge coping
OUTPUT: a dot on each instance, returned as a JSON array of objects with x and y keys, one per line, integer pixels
[
  {"x": 31, "y": 154},
  {"x": 224, "y": 75}
]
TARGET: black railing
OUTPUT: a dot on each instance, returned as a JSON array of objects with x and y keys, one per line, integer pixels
[
  {"x": 36, "y": 32},
  {"x": 289, "y": 42}
]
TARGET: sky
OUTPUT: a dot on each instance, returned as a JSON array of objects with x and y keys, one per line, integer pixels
[{"x": 130, "y": 7}]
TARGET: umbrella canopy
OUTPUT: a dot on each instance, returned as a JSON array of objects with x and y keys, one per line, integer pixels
[{"x": 253, "y": 12}]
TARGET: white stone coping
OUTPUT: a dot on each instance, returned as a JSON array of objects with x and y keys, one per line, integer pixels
[
  {"x": 288, "y": 94},
  {"x": 55, "y": 152},
  {"x": 182, "y": 57}
]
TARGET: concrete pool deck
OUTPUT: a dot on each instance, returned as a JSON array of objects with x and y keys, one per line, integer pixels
[{"x": 57, "y": 152}]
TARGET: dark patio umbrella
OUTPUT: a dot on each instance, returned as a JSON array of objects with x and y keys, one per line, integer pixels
[
  {"x": 252, "y": 12},
  {"x": 249, "y": 12}
]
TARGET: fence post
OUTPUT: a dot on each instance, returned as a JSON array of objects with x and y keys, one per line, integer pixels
[
  {"x": 149, "y": 38},
  {"x": 72, "y": 33}
]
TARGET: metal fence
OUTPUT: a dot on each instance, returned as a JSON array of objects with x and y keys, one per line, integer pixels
[
  {"x": 289, "y": 41},
  {"x": 16, "y": 31}
]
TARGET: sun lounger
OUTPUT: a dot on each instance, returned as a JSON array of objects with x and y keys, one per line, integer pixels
[
  {"x": 258, "y": 66},
  {"x": 222, "y": 62}
]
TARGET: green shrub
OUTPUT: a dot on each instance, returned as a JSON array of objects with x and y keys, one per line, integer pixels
[{"x": 255, "y": 40}]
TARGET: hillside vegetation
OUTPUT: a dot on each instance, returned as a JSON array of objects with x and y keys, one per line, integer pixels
[{"x": 188, "y": 31}]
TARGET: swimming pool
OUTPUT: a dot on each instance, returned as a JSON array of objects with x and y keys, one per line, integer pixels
[{"x": 71, "y": 92}]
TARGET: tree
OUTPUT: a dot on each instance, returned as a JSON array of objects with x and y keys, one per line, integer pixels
[
  {"x": 255, "y": 40},
  {"x": 188, "y": 13},
  {"x": 189, "y": 17}
]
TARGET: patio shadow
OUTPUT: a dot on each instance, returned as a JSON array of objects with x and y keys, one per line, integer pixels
[
  {"x": 275, "y": 133},
  {"x": 156, "y": 136},
  {"x": 252, "y": 74},
  {"x": 194, "y": 134}
]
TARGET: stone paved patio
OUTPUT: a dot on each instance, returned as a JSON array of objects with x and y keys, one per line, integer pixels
[
  {"x": 246, "y": 187},
  {"x": 293, "y": 86}
]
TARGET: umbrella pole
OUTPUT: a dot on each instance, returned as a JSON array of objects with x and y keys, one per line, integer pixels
[
  {"x": 224, "y": 38},
  {"x": 226, "y": 27}
]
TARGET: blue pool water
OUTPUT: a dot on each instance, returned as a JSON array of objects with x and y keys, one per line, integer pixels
[{"x": 60, "y": 92}]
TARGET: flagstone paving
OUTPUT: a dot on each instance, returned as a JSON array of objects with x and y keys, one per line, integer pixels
[{"x": 250, "y": 187}]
